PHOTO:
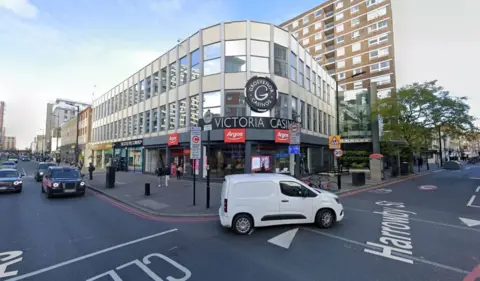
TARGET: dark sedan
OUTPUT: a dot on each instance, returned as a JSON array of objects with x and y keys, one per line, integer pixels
[
  {"x": 10, "y": 180},
  {"x": 42, "y": 168},
  {"x": 63, "y": 180}
]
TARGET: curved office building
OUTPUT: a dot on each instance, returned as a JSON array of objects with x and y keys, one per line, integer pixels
[{"x": 144, "y": 121}]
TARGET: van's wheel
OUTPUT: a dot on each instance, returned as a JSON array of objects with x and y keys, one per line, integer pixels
[
  {"x": 325, "y": 218},
  {"x": 242, "y": 224}
]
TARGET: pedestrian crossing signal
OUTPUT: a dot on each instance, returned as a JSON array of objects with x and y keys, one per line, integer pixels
[{"x": 334, "y": 142}]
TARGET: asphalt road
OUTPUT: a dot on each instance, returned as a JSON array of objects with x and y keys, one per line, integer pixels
[{"x": 91, "y": 238}]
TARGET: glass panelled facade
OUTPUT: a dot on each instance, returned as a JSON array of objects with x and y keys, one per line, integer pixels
[{"x": 355, "y": 120}]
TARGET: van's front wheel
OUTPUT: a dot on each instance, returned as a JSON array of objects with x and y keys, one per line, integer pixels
[
  {"x": 242, "y": 224},
  {"x": 325, "y": 218}
]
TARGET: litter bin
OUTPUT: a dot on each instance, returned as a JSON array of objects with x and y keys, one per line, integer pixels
[
  {"x": 404, "y": 167},
  {"x": 110, "y": 177}
]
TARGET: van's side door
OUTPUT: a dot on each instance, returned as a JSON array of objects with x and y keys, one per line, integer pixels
[{"x": 295, "y": 202}]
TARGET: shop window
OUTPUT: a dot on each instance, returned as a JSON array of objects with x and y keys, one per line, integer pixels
[
  {"x": 163, "y": 118},
  {"x": 280, "y": 64},
  {"x": 235, "y": 103},
  {"x": 183, "y": 113},
  {"x": 155, "y": 81},
  {"x": 226, "y": 159},
  {"x": 171, "y": 115},
  {"x": 278, "y": 156},
  {"x": 172, "y": 71},
  {"x": 154, "y": 120},
  {"x": 195, "y": 64},
  {"x": 212, "y": 101},
  {"x": 194, "y": 110},
  {"x": 141, "y": 125},
  {"x": 183, "y": 70},
  {"x": 135, "y": 124},
  {"x": 281, "y": 107}
]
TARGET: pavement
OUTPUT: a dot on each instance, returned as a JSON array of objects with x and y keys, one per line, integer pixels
[{"x": 424, "y": 228}]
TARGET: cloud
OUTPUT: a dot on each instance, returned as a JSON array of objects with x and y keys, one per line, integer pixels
[{"x": 22, "y": 8}]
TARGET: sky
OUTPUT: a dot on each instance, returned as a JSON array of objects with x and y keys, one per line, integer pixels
[{"x": 77, "y": 49}]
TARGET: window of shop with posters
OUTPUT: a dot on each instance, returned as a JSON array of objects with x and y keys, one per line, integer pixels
[{"x": 129, "y": 156}]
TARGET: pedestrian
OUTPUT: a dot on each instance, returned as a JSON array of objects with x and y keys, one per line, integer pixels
[
  {"x": 160, "y": 174},
  {"x": 91, "y": 168},
  {"x": 179, "y": 171}
]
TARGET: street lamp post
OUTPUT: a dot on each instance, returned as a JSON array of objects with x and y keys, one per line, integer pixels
[
  {"x": 207, "y": 118},
  {"x": 76, "y": 139}
]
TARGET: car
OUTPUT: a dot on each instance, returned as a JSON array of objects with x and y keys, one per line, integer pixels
[
  {"x": 10, "y": 180},
  {"x": 14, "y": 160},
  {"x": 266, "y": 199},
  {"x": 63, "y": 180},
  {"x": 42, "y": 168},
  {"x": 25, "y": 158},
  {"x": 8, "y": 164}
]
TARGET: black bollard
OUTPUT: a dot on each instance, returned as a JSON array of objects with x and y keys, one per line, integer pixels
[{"x": 147, "y": 189}]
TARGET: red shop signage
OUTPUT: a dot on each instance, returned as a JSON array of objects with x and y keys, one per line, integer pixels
[
  {"x": 281, "y": 136},
  {"x": 173, "y": 139},
  {"x": 234, "y": 135}
]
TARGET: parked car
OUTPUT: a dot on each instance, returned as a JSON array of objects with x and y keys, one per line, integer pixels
[
  {"x": 25, "y": 158},
  {"x": 14, "y": 160},
  {"x": 42, "y": 168},
  {"x": 62, "y": 180},
  {"x": 10, "y": 180},
  {"x": 257, "y": 200},
  {"x": 9, "y": 165}
]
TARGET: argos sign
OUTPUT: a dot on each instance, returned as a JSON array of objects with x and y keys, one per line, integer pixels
[
  {"x": 173, "y": 139},
  {"x": 234, "y": 135},
  {"x": 281, "y": 136}
]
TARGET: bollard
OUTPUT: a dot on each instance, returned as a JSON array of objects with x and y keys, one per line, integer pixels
[{"x": 147, "y": 189}]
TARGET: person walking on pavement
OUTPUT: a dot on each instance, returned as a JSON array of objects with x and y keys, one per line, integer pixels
[
  {"x": 179, "y": 172},
  {"x": 91, "y": 168},
  {"x": 160, "y": 174}
]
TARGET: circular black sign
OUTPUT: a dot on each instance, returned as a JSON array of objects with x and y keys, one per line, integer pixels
[{"x": 261, "y": 94}]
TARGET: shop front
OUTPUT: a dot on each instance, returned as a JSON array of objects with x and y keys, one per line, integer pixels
[
  {"x": 129, "y": 156},
  {"x": 102, "y": 154}
]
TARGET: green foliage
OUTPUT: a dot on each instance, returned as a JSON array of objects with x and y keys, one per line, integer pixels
[{"x": 355, "y": 158}]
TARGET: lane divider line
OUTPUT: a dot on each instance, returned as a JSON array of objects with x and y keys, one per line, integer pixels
[
  {"x": 419, "y": 260},
  {"x": 55, "y": 266}
]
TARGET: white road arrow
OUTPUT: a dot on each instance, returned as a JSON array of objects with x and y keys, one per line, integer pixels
[
  {"x": 285, "y": 239},
  {"x": 470, "y": 222}
]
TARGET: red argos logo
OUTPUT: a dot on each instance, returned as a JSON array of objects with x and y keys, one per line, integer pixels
[
  {"x": 281, "y": 136},
  {"x": 234, "y": 135},
  {"x": 173, "y": 139}
]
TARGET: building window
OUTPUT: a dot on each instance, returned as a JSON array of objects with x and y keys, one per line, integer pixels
[
  {"x": 341, "y": 76},
  {"x": 357, "y": 85},
  {"x": 135, "y": 124},
  {"x": 324, "y": 91},
  {"x": 183, "y": 70},
  {"x": 171, "y": 115},
  {"x": 339, "y": 16},
  {"x": 339, "y": 5},
  {"x": 379, "y": 53},
  {"x": 307, "y": 77},
  {"x": 130, "y": 96},
  {"x": 377, "y": 26},
  {"x": 300, "y": 72},
  {"x": 315, "y": 127},
  {"x": 356, "y": 71},
  {"x": 260, "y": 52},
  {"x": 182, "y": 113},
  {"x": 211, "y": 57},
  {"x": 294, "y": 24},
  {"x": 340, "y": 51},
  {"x": 148, "y": 87},
  {"x": 356, "y": 34},
  {"x": 235, "y": 56},
  {"x": 318, "y": 47},
  {"x": 293, "y": 66},
  {"x": 355, "y": 22},
  {"x": 125, "y": 128},
  {"x": 163, "y": 118},
  {"x": 325, "y": 123},
  {"x": 318, "y": 25},
  {"x": 136, "y": 94},
  {"x": 339, "y": 28},
  {"x": 318, "y": 13},
  {"x": 155, "y": 84},
  {"x": 305, "y": 31},
  {"x": 172, "y": 68},
  {"x": 195, "y": 64},
  {"x": 163, "y": 73},
  {"x": 381, "y": 80},
  {"x": 280, "y": 64},
  {"x": 281, "y": 107},
  {"x": 329, "y": 125},
  {"x": 340, "y": 39},
  {"x": 125, "y": 99},
  {"x": 154, "y": 120},
  {"x": 377, "y": 13},
  {"x": 356, "y": 47},
  {"x": 314, "y": 83},
  {"x": 129, "y": 133},
  {"x": 357, "y": 60},
  {"x": 309, "y": 117},
  {"x": 211, "y": 100},
  {"x": 141, "y": 125},
  {"x": 194, "y": 110},
  {"x": 305, "y": 41},
  {"x": 301, "y": 113},
  {"x": 377, "y": 40},
  {"x": 235, "y": 103},
  {"x": 354, "y": 9},
  {"x": 294, "y": 105},
  {"x": 305, "y": 20},
  {"x": 380, "y": 66},
  {"x": 341, "y": 64}
]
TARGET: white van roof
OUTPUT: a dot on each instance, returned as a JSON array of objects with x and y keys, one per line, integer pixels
[{"x": 257, "y": 177}]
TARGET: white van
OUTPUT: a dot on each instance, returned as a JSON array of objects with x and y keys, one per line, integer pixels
[{"x": 256, "y": 200}]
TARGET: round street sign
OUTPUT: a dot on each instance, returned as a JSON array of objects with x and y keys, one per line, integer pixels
[
  {"x": 207, "y": 117},
  {"x": 338, "y": 153},
  {"x": 295, "y": 127},
  {"x": 195, "y": 139},
  {"x": 427, "y": 187}
]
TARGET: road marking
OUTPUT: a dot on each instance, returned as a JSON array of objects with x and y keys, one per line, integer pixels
[
  {"x": 478, "y": 189},
  {"x": 55, "y": 266},
  {"x": 470, "y": 222},
  {"x": 12, "y": 257},
  {"x": 472, "y": 178},
  {"x": 427, "y": 187},
  {"x": 470, "y": 203},
  {"x": 285, "y": 239},
  {"x": 24, "y": 173},
  {"x": 420, "y": 260},
  {"x": 419, "y": 220}
]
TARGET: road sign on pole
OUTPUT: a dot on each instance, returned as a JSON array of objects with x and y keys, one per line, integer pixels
[
  {"x": 294, "y": 134},
  {"x": 334, "y": 142},
  {"x": 195, "y": 143},
  {"x": 338, "y": 153}
]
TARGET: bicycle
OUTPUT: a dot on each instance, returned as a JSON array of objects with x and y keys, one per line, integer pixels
[{"x": 323, "y": 182}]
